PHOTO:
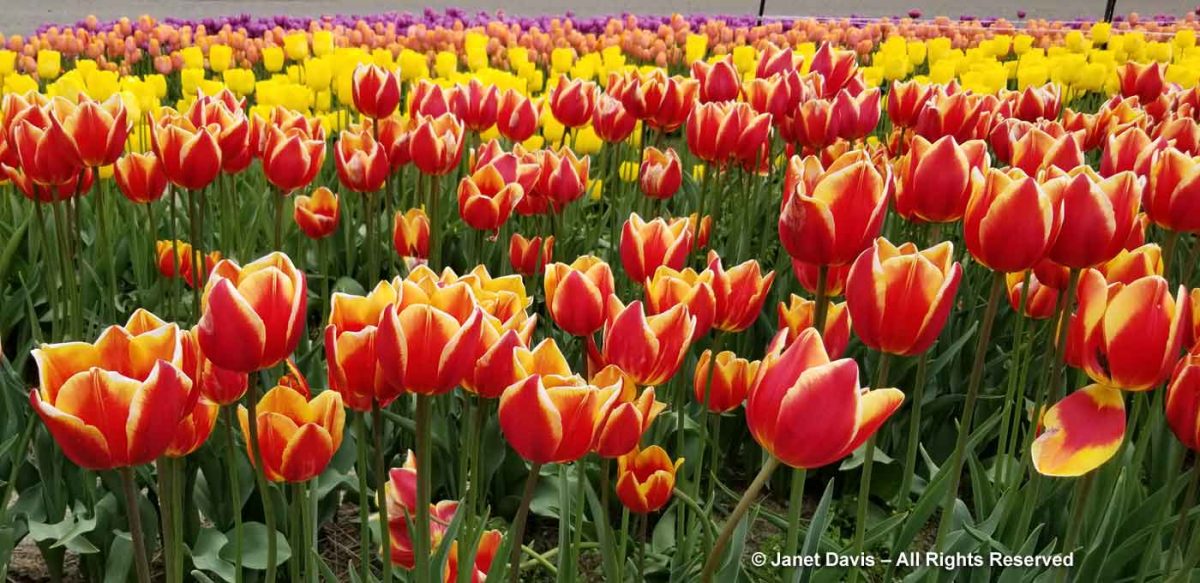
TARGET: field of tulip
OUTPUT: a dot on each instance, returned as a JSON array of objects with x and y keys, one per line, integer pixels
[{"x": 467, "y": 298}]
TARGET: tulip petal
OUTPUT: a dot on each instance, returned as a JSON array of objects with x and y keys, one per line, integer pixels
[
  {"x": 306, "y": 454},
  {"x": 1082, "y": 431}
]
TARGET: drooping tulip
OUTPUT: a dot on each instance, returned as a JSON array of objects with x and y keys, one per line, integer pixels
[
  {"x": 1080, "y": 432},
  {"x": 899, "y": 297},
  {"x": 297, "y": 437},
  {"x": 809, "y": 412},
  {"x": 645, "y": 479}
]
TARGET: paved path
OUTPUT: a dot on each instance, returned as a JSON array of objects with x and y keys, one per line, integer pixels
[{"x": 22, "y": 16}]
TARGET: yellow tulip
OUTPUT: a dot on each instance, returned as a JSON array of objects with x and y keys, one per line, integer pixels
[
  {"x": 318, "y": 74},
  {"x": 19, "y": 83},
  {"x": 8, "y": 62},
  {"x": 561, "y": 60},
  {"x": 295, "y": 45},
  {"x": 49, "y": 64},
  {"x": 1101, "y": 32},
  {"x": 695, "y": 47},
  {"x": 445, "y": 63},
  {"x": 272, "y": 59},
  {"x": 193, "y": 57},
  {"x": 220, "y": 58},
  {"x": 322, "y": 42}
]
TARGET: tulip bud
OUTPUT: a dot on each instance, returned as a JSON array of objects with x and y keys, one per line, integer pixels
[
  {"x": 410, "y": 233},
  {"x": 530, "y": 256},
  {"x": 376, "y": 91},
  {"x": 297, "y": 437},
  {"x": 645, "y": 479},
  {"x": 933, "y": 181},
  {"x": 661, "y": 173},
  {"x": 317, "y": 215}
]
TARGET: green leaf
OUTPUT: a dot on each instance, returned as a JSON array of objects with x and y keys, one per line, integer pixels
[
  {"x": 206, "y": 554},
  {"x": 442, "y": 553},
  {"x": 254, "y": 547},
  {"x": 608, "y": 552},
  {"x": 816, "y": 527},
  {"x": 119, "y": 561},
  {"x": 737, "y": 546}
]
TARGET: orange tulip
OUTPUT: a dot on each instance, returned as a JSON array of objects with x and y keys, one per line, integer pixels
[
  {"x": 577, "y": 294},
  {"x": 401, "y": 492},
  {"x": 797, "y": 315},
  {"x": 1037, "y": 150},
  {"x": 836, "y": 67},
  {"x": 771, "y": 95},
  {"x": 645, "y": 479},
  {"x": 1183, "y": 402},
  {"x": 375, "y": 90},
  {"x": 297, "y": 437},
  {"x": 1010, "y": 222},
  {"x": 663, "y": 102},
  {"x": 1144, "y": 81},
  {"x": 223, "y": 387},
  {"x": 253, "y": 316},
  {"x": 1129, "y": 266},
  {"x": 1080, "y": 432},
  {"x": 291, "y": 159},
  {"x": 552, "y": 418},
  {"x": 717, "y": 132},
  {"x": 233, "y": 131},
  {"x": 190, "y": 155},
  {"x": 933, "y": 181},
  {"x": 669, "y": 288},
  {"x": 487, "y": 197},
  {"x": 362, "y": 165},
  {"x": 394, "y": 135},
  {"x": 808, "y": 274},
  {"x": 856, "y": 114},
  {"x": 572, "y": 101},
  {"x": 1128, "y": 336},
  {"x": 45, "y": 152},
  {"x": 530, "y": 256},
  {"x": 194, "y": 429},
  {"x": 116, "y": 402},
  {"x": 727, "y": 384},
  {"x": 563, "y": 177},
  {"x": 718, "y": 81},
  {"x": 830, "y": 215},
  {"x": 740, "y": 292},
  {"x": 425, "y": 350},
  {"x": 810, "y": 412},
  {"x": 661, "y": 173},
  {"x": 1041, "y": 300},
  {"x": 949, "y": 114},
  {"x": 140, "y": 177},
  {"x": 627, "y": 419},
  {"x": 317, "y": 215},
  {"x": 899, "y": 297},
  {"x": 96, "y": 130},
  {"x": 485, "y": 555},
  {"x": 1132, "y": 149},
  {"x": 648, "y": 349},
  {"x": 1183, "y": 131},
  {"x": 436, "y": 144},
  {"x": 1035, "y": 102},
  {"x": 1097, "y": 215},
  {"x": 480, "y": 104},
  {"x": 516, "y": 116},
  {"x": 351, "y": 348},
  {"x": 410, "y": 233},
  {"x": 610, "y": 120},
  {"x": 1172, "y": 196},
  {"x": 645, "y": 246}
]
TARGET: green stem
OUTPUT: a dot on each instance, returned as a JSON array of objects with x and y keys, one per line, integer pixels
[
  {"x": 795, "y": 509},
  {"x": 577, "y": 522},
  {"x": 235, "y": 491},
  {"x": 642, "y": 548},
  {"x": 1010, "y": 393},
  {"x": 279, "y": 221},
  {"x": 135, "y": 524},
  {"x": 364, "y": 496},
  {"x": 914, "y": 428},
  {"x": 260, "y": 475},
  {"x": 517, "y": 532},
  {"x": 293, "y": 512},
  {"x": 377, "y": 422},
  {"x": 964, "y": 430},
  {"x": 743, "y": 505},
  {"x": 421, "y": 544},
  {"x": 864, "y": 486},
  {"x": 821, "y": 307}
]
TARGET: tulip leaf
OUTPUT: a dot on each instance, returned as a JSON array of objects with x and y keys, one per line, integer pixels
[
  {"x": 604, "y": 533},
  {"x": 254, "y": 547},
  {"x": 10, "y": 248},
  {"x": 816, "y": 528},
  {"x": 67, "y": 533},
  {"x": 206, "y": 553},
  {"x": 119, "y": 560}
]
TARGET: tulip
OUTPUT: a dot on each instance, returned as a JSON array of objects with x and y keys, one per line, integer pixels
[
  {"x": 1173, "y": 192},
  {"x": 1183, "y": 131},
  {"x": 610, "y": 120},
  {"x": 900, "y": 297},
  {"x": 830, "y": 215},
  {"x": 190, "y": 155},
  {"x": 115, "y": 402},
  {"x": 297, "y": 437},
  {"x": 669, "y": 288},
  {"x": 774, "y": 59},
  {"x": 432, "y": 100},
  {"x": 857, "y": 114},
  {"x": 808, "y": 275},
  {"x": 488, "y": 196},
  {"x": 317, "y": 215},
  {"x": 798, "y": 314},
  {"x": 97, "y": 131},
  {"x": 727, "y": 384},
  {"x": 648, "y": 349},
  {"x": 562, "y": 179},
  {"x": 905, "y": 100},
  {"x": 809, "y": 412},
  {"x": 140, "y": 177},
  {"x": 552, "y": 418},
  {"x": 1144, "y": 81},
  {"x": 376, "y": 91},
  {"x": 516, "y": 116},
  {"x": 226, "y": 117},
  {"x": 436, "y": 144},
  {"x": 1080, "y": 432},
  {"x": 661, "y": 173},
  {"x": 1131, "y": 149},
  {"x": 480, "y": 105},
  {"x": 771, "y": 95},
  {"x": 485, "y": 556},
  {"x": 351, "y": 348},
  {"x": 949, "y": 114},
  {"x": 1129, "y": 266},
  {"x": 1183, "y": 402},
  {"x": 815, "y": 124},
  {"x": 645, "y": 246},
  {"x": 577, "y": 294},
  {"x": 717, "y": 132},
  {"x": 627, "y": 419},
  {"x": 194, "y": 429},
  {"x": 836, "y": 67},
  {"x": 291, "y": 159},
  {"x": 362, "y": 165},
  {"x": 410, "y": 233},
  {"x": 223, "y": 387},
  {"x": 425, "y": 350},
  {"x": 1035, "y": 102},
  {"x": 1010, "y": 221},
  {"x": 45, "y": 153},
  {"x": 530, "y": 256},
  {"x": 1128, "y": 336},
  {"x": 933, "y": 181},
  {"x": 1040, "y": 301},
  {"x": 394, "y": 135},
  {"x": 645, "y": 479},
  {"x": 718, "y": 81},
  {"x": 1037, "y": 150},
  {"x": 401, "y": 501},
  {"x": 572, "y": 101},
  {"x": 740, "y": 293},
  {"x": 253, "y": 316},
  {"x": 1097, "y": 215},
  {"x": 662, "y": 102},
  {"x": 504, "y": 359}
]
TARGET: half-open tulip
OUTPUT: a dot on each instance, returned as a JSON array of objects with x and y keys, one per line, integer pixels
[
  {"x": 487, "y": 197},
  {"x": 1183, "y": 402},
  {"x": 1037, "y": 149},
  {"x": 410, "y": 233},
  {"x": 646, "y": 246},
  {"x": 670, "y": 287},
  {"x": 97, "y": 130},
  {"x": 661, "y": 173},
  {"x": 1080, "y": 432},
  {"x": 727, "y": 384},
  {"x": 905, "y": 100},
  {"x": 223, "y": 387},
  {"x": 1130, "y": 265},
  {"x": 1128, "y": 336},
  {"x": 375, "y": 90},
  {"x": 899, "y": 297},
  {"x": 1040, "y": 301},
  {"x": 351, "y": 348},
  {"x": 831, "y": 214},
  {"x": 516, "y": 116},
  {"x": 577, "y": 294},
  {"x": 810, "y": 412},
  {"x": 645, "y": 479},
  {"x": 798, "y": 314},
  {"x": 627, "y": 418},
  {"x": 933, "y": 181},
  {"x": 362, "y": 165},
  {"x": 1010, "y": 222},
  {"x": 480, "y": 104},
  {"x": 140, "y": 177},
  {"x": 318, "y": 215},
  {"x": 425, "y": 350},
  {"x": 118, "y": 401},
  {"x": 45, "y": 152},
  {"x": 297, "y": 437},
  {"x": 1172, "y": 196},
  {"x": 719, "y": 80},
  {"x": 190, "y": 156},
  {"x": 436, "y": 144},
  {"x": 610, "y": 120},
  {"x": 530, "y": 256},
  {"x": 1142, "y": 80},
  {"x": 647, "y": 348},
  {"x": 552, "y": 418},
  {"x": 291, "y": 159},
  {"x": 572, "y": 101},
  {"x": 253, "y": 316},
  {"x": 1097, "y": 215},
  {"x": 1132, "y": 149},
  {"x": 740, "y": 292}
]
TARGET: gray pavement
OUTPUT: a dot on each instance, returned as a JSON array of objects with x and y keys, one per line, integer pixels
[{"x": 23, "y": 16}]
